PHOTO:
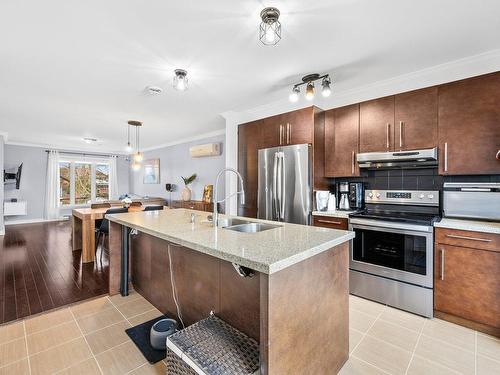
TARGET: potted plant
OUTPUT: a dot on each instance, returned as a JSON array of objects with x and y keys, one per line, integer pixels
[
  {"x": 186, "y": 192},
  {"x": 126, "y": 202}
]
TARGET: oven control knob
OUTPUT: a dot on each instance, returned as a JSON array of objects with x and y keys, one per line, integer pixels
[
  {"x": 421, "y": 196},
  {"x": 430, "y": 196},
  {"x": 378, "y": 195},
  {"x": 370, "y": 195}
]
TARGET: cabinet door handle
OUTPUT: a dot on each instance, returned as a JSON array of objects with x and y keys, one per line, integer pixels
[
  {"x": 442, "y": 264},
  {"x": 468, "y": 238},
  {"x": 387, "y": 134},
  {"x": 329, "y": 222},
  {"x": 281, "y": 134},
  {"x": 288, "y": 132},
  {"x": 446, "y": 156},
  {"x": 401, "y": 134},
  {"x": 352, "y": 163}
]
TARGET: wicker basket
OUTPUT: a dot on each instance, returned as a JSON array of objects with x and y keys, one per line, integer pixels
[{"x": 214, "y": 348}]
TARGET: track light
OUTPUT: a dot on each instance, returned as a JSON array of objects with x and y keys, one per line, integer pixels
[
  {"x": 294, "y": 95},
  {"x": 326, "y": 90},
  {"x": 270, "y": 27},
  {"x": 310, "y": 91},
  {"x": 308, "y": 80},
  {"x": 180, "y": 81}
]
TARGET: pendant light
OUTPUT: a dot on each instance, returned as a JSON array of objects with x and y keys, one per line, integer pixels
[
  {"x": 138, "y": 156},
  {"x": 129, "y": 147},
  {"x": 270, "y": 27}
]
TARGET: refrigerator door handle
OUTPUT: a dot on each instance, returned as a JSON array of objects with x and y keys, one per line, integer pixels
[
  {"x": 274, "y": 197},
  {"x": 283, "y": 187}
]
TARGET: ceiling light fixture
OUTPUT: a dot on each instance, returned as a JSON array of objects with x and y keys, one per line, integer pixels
[
  {"x": 129, "y": 147},
  {"x": 138, "y": 155},
  {"x": 180, "y": 81},
  {"x": 294, "y": 95},
  {"x": 309, "y": 80},
  {"x": 270, "y": 27}
]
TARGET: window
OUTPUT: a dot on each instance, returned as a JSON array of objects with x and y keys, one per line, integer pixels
[{"x": 83, "y": 182}]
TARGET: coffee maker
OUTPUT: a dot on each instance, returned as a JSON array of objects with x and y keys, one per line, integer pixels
[
  {"x": 343, "y": 196},
  {"x": 356, "y": 195}
]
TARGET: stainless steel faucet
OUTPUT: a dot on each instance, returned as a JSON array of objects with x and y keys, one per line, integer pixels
[{"x": 215, "y": 217}]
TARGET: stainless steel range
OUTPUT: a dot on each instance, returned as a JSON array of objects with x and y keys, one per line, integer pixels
[{"x": 392, "y": 254}]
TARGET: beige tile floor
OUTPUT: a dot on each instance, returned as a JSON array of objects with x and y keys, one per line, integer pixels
[{"x": 89, "y": 338}]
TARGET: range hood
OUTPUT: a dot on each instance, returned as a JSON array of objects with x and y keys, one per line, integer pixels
[{"x": 398, "y": 159}]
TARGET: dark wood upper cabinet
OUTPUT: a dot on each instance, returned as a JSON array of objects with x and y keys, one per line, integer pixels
[
  {"x": 416, "y": 119},
  {"x": 249, "y": 137},
  {"x": 376, "y": 125},
  {"x": 341, "y": 141},
  {"x": 299, "y": 126},
  {"x": 469, "y": 126}
]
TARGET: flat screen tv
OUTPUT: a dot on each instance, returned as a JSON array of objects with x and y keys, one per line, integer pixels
[{"x": 13, "y": 177}]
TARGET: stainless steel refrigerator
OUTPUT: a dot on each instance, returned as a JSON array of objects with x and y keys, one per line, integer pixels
[{"x": 285, "y": 184}]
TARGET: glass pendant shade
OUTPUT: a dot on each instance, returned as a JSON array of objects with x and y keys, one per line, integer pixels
[
  {"x": 180, "y": 81},
  {"x": 270, "y": 27},
  {"x": 138, "y": 157},
  {"x": 129, "y": 148},
  {"x": 136, "y": 166},
  {"x": 310, "y": 91}
]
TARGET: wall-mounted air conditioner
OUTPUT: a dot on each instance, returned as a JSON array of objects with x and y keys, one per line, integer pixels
[{"x": 209, "y": 149}]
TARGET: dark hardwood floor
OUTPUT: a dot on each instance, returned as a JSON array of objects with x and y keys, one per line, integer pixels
[{"x": 39, "y": 271}]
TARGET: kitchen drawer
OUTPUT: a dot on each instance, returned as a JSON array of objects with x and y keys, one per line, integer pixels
[
  {"x": 465, "y": 238},
  {"x": 330, "y": 222}
]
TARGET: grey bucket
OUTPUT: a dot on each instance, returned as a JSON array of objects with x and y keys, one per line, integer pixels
[{"x": 160, "y": 331}]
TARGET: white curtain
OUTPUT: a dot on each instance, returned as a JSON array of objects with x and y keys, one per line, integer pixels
[
  {"x": 52, "y": 188},
  {"x": 113, "y": 178}
]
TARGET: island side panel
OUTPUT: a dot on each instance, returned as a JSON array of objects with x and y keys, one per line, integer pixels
[
  {"x": 115, "y": 248},
  {"x": 305, "y": 316},
  {"x": 204, "y": 283}
]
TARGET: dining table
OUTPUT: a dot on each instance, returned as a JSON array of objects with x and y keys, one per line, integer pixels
[{"x": 83, "y": 228}]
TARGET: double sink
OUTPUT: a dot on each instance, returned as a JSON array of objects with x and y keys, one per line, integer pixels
[{"x": 244, "y": 226}]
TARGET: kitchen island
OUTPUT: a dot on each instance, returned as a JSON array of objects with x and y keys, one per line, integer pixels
[{"x": 285, "y": 286}]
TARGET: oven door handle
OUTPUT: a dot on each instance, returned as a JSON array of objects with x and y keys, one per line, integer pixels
[{"x": 390, "y": 225}]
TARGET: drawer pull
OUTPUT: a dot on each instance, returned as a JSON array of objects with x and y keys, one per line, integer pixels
[
  {"x": 329, "y": 222},
  {"x": 442, "y": 264},
  {"x": 468, "y": 238}
]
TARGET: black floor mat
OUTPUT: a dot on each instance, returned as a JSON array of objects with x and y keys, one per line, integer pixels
[{"x": 140, "y": 336}]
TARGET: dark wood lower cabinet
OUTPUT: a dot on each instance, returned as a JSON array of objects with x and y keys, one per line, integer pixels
[
  {"x": 330, "y": 222},
  {"x": 467, "y": 285}
]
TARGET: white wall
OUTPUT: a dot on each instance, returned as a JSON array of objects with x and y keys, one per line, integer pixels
[
  {"x": 32, "y": 187},
  {"x": 175, "y": 162},
  {"x": 2, "y": 224}
]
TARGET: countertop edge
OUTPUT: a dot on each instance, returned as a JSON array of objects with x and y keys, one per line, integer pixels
[
  {"x": 263, "y": 268},
  {"x": 471, "y": 225}
]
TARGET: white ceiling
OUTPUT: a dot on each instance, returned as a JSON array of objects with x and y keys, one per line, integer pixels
[{"x": 71, "y": 69}]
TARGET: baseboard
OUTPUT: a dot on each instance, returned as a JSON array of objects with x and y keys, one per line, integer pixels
[
  {"x": 489, "y": 330},
  {"x": 34, "y": 221}
]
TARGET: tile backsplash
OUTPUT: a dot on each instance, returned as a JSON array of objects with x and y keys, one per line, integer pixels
[{"x": 409, "y": 179}]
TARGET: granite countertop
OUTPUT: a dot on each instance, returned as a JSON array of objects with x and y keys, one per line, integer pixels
[
  {"x": 472, "y": 225},
  {"x": 268, "y": 251},
  {"x": 338, "y": 213}
]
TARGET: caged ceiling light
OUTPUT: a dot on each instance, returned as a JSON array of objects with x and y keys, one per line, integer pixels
[
  {"x": 308, "y": 81},
  {"x": 270, "y": 27},
  {"x": 180, "y": 81}
]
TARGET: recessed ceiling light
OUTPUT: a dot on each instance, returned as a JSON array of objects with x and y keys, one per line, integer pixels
[
  {"x": 89, "y": 140},
  {"x": 154, "y": 90}
]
